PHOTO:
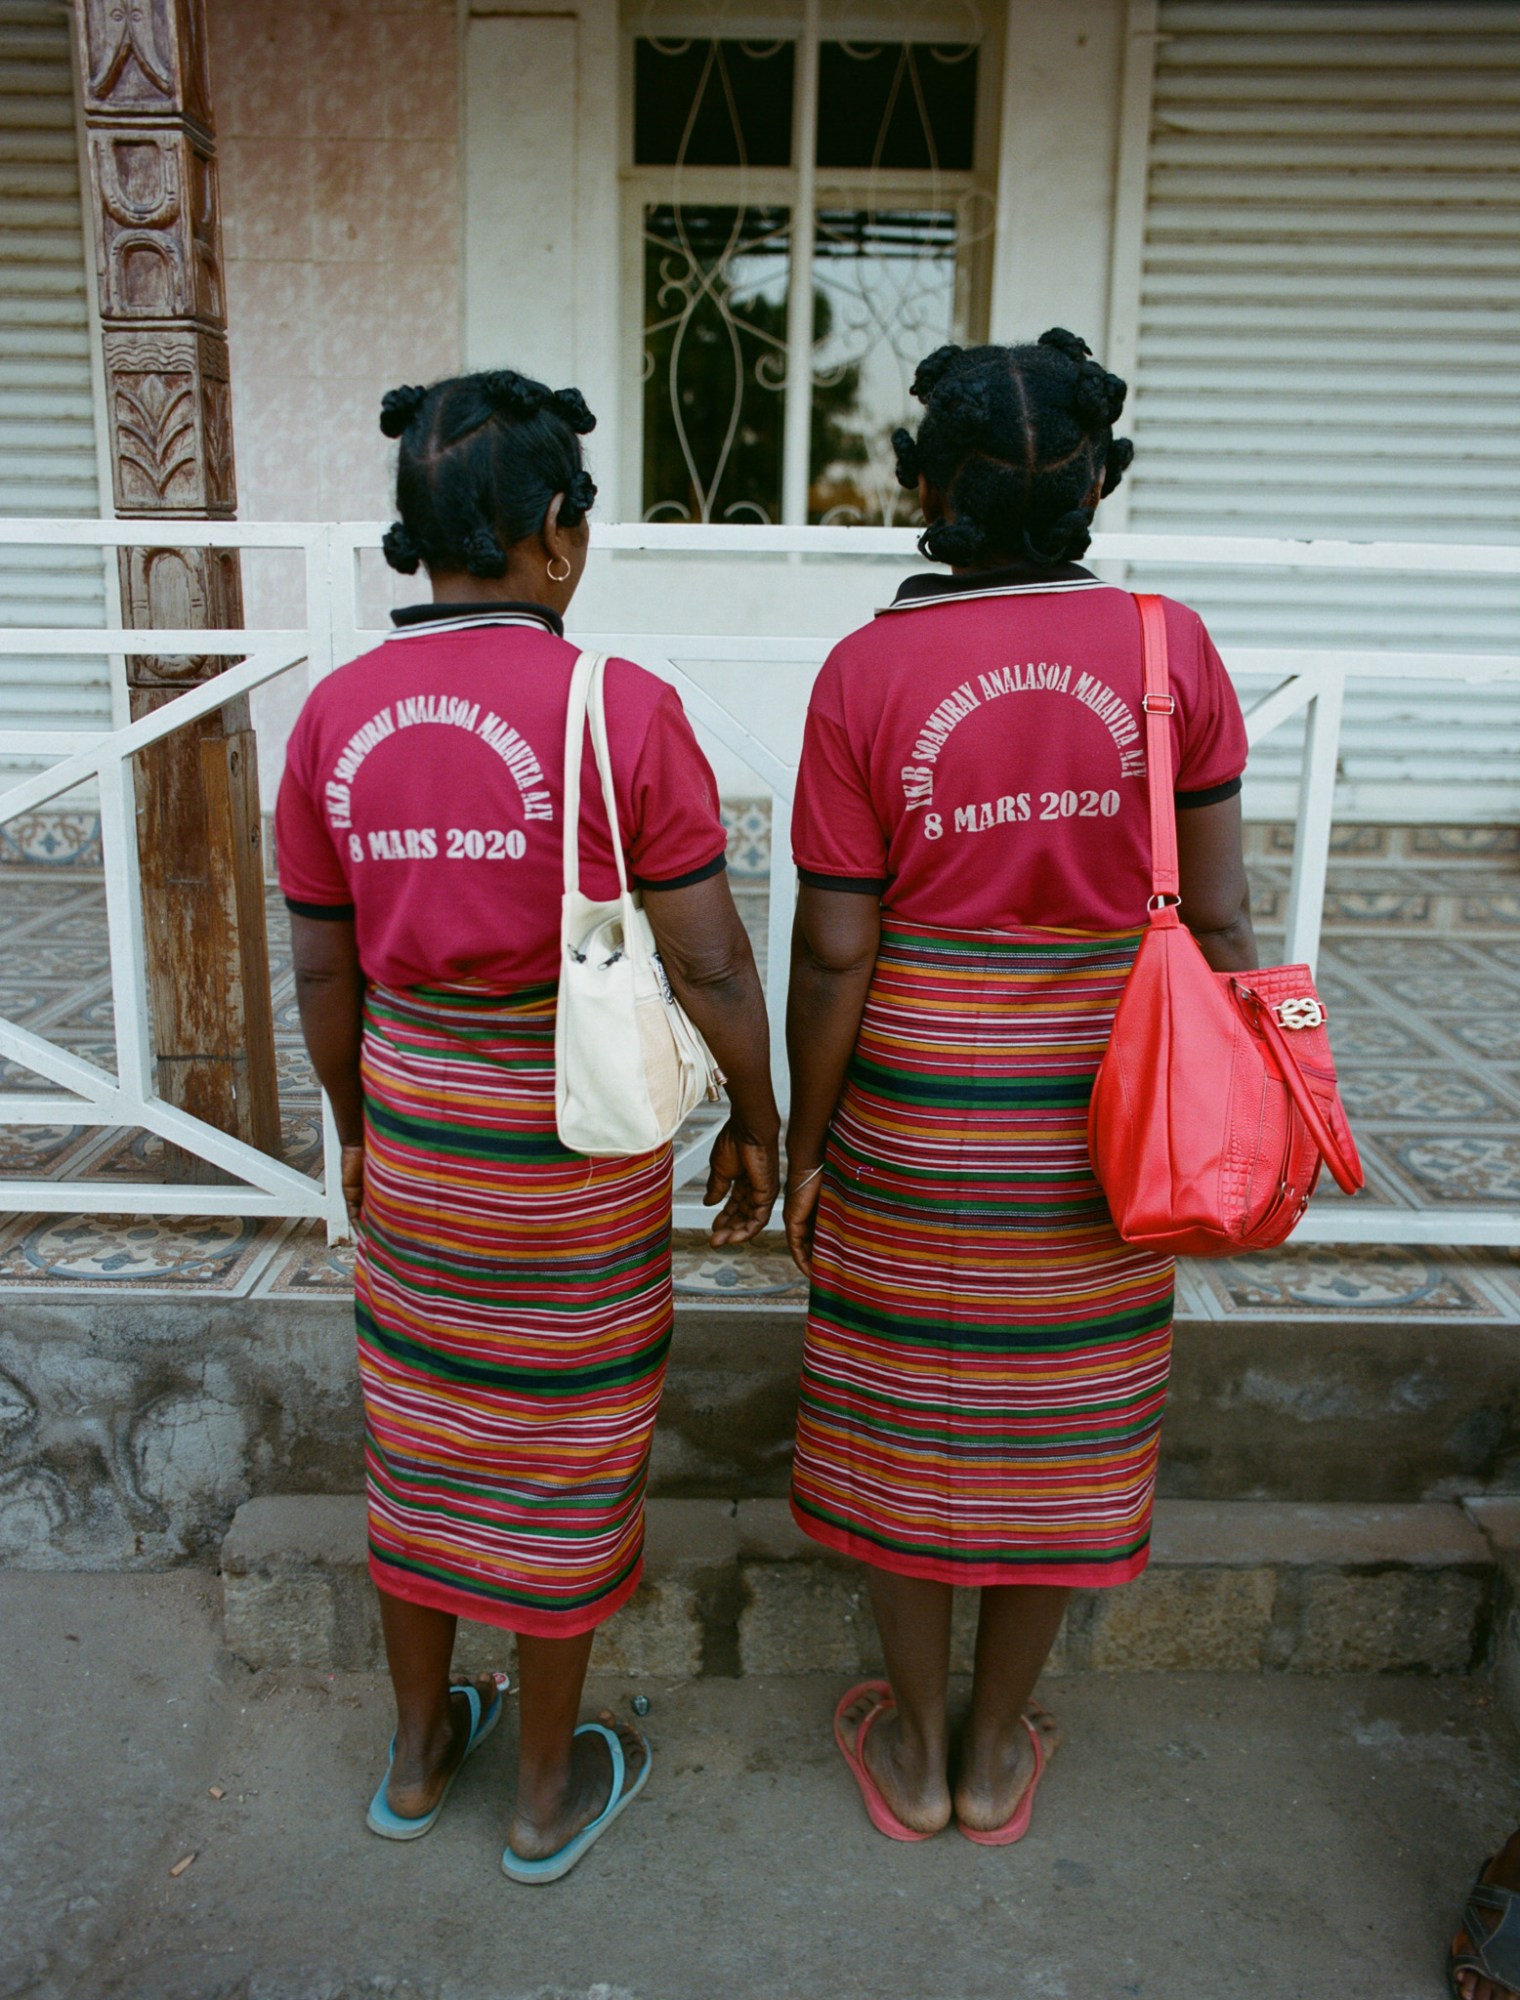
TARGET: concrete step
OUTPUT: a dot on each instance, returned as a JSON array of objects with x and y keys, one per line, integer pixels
[
  {"x": 734, "y": 1588},
  {"x": 129, "y": 1437},
  {"x": 1499, "y": 1521}
]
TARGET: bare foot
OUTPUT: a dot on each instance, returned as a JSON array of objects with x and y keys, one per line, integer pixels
[
  {"x": 911, "y": 1777},
  {"x": 541, "y": 1825},
  {"x": 994, "y": 1776},
  {"x": 422, "y": 1768},
  {"x": 1504, "y": 1872}
]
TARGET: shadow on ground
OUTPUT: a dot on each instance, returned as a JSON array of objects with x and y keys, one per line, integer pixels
[{"x": 1199, "y": 1835}]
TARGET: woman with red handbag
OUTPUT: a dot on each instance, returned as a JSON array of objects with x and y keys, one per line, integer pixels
[{"x": 986, "y": 1359}]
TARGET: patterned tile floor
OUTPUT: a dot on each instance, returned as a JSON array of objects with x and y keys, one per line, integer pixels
[{"x": 1420, "y": 969}]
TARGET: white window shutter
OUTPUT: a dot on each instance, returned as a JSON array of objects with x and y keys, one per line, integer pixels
[
  {"x": 48, "y": 463},
  {"x": 1329, "y": 345}
]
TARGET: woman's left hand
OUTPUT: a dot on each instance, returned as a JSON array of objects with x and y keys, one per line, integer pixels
[
  {"x": 800, "y": 1215},
  {"x": 352, "y": 1174},
  {"x": 744, "y": 1173}
]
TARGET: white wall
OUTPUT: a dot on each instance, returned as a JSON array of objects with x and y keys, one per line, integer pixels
[
  {"x": 1055, "y": 193},
  {"x": 541, "y": 157},
  {"x": 773, "y": 596}
]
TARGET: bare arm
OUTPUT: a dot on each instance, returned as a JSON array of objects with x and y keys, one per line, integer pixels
[
  {"x": 834, "y": 944},
  {"x": 712, "y": 971},
  {"x": 330, "y": 996},
  {"x": 1216, "y": 898}
]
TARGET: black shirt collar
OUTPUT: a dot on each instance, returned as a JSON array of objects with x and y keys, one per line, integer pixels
[
  {"x": 1008, "y": 576},
  {"x": 449, "y": 614}
]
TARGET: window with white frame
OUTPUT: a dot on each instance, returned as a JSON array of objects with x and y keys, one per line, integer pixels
[{"x": 775, "y": 358}]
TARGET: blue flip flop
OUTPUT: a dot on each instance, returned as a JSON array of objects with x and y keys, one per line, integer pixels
[
  {"x": 391, "y": 1825},
  {"x": 553, "y": 1866}
]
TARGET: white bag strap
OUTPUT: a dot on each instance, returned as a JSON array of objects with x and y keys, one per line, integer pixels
[
  {"x": 602, "y": 751},
  {"x": 587, "y": 698}
]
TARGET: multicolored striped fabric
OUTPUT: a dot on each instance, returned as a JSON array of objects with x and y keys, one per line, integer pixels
[
  {"x": 514, "y": 1314},
  {"x": 986, "y": 1360}
]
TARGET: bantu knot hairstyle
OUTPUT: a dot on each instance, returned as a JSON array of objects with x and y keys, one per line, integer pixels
[
  {"x": 399, "y": 406},
  {"x": 1013, "y": 440},
  {"x": 482, "y": 457},
  {"x": 401, "y": 552}
]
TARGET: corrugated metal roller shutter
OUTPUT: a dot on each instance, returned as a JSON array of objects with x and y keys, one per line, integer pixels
[
  {"x": 1328, "y": 346},
  {"x": 48, "y": 462}
]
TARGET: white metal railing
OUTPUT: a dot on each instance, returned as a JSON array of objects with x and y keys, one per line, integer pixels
[{"x": 1311, "y": 683}]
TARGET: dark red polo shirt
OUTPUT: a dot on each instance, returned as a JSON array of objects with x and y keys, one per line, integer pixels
[
  {"x": 423, "y": 791},
  {"x": 976, "y": 754}
]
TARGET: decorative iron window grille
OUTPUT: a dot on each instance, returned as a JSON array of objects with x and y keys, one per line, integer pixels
[{"x": 776, "y": 360}]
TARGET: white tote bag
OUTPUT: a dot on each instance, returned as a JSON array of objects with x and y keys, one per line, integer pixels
[{"x": 628, "y": 1064}]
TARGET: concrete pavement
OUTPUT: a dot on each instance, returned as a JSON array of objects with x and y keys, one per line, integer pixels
[{"x": 1199, "y": 1835}]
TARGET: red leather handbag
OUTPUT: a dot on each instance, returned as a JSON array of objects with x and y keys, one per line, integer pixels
[{"x": 1215, "y": 1103}]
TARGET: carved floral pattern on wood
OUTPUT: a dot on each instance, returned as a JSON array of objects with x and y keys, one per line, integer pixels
[
  {"x": 146, "y": 56},
  {"x": 171, "y": 410},
  {"x": 185, "y": 588},
  {"x": 159, "y": 225}
]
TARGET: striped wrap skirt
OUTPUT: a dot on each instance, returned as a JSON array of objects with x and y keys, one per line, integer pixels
[
  {"x": 986, "y": 1360},
  {"x": 514, "y": 1312}
]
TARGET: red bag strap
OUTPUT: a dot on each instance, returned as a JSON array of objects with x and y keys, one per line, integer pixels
[
  {"x": 1347, "y": 1170},
  {"x": 1159, "y": 705}
]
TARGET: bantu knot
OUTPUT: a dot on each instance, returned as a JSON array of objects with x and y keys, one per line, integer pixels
[
  {"x": 513, "y": 395},
  {"x": 962, "y": 544},
  {"x": 580, "y": 491},
  {"x": 571, "y": 405},
  {"x": 1117, "y": 461},
  {"x": 906, "y": 447},
  {"x": 1063, "y": 540},
  {"x": 400, "y": 548},
  {"x": 966, "y": 402},
  {"x": 1072, "y": 345},
  {"x": 483, "y": 554},
  {"x": 1099, "y": 397},
  {"x": 398, "y": 407},
  {"x": 932, "y": 370}
]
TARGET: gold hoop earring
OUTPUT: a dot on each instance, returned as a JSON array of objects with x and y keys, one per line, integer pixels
[{"x": 559, "y": 575}]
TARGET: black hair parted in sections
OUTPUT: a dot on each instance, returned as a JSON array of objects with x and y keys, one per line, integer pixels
[
  {"x": 482, "y": 457},
  {"x": 1014, "y": 440}
]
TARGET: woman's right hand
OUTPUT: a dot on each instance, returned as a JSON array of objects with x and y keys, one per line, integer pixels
[
  {"x": 799, "y": 1214},
  {"x": 744, "y": 1174}
]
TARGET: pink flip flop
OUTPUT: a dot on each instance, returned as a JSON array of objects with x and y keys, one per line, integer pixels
[
  {"x": 1015, "y": 1828},
  {"x": 880, "y": 1813}
]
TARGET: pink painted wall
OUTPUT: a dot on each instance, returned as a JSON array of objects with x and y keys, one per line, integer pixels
[{"x": 338, "y": 131}]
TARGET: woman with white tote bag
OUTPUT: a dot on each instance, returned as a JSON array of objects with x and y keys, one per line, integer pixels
[{"x": 513, "y": 1292}]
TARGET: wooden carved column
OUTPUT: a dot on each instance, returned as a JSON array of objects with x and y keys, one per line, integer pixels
[{"x": 152, "y": 149}]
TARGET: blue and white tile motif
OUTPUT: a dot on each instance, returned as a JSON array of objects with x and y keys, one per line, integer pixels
[
  {"x": 1395, "y": 954},
  {"x": 1344, "y": 1280},
  {"x": 1420, "y": 970},
  {"x": 733, "y": 1276},
  {"x": 1474, "y": 1168},
  {"x": 1492, "y": 1037},
  {"x": 1424, "y": 1096},
  {"x": 748, "y": 824},
  {"x": 309, "y": 1267},
  {"x": 51, "y": 839},
  {"x": 90, "y": 1250}
]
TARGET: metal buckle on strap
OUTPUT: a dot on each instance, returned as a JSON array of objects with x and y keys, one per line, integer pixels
[
  {"x": 1159, "y": 704},
  {"x": 1300, "y": 1011}
]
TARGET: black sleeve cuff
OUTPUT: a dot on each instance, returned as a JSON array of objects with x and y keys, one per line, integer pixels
[
  {"x": 703, "y": 874},
  {"x": 850, "y": 885},
  {"x": 1215, "y": 795},
  {"x": 336, "y": 913}
]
